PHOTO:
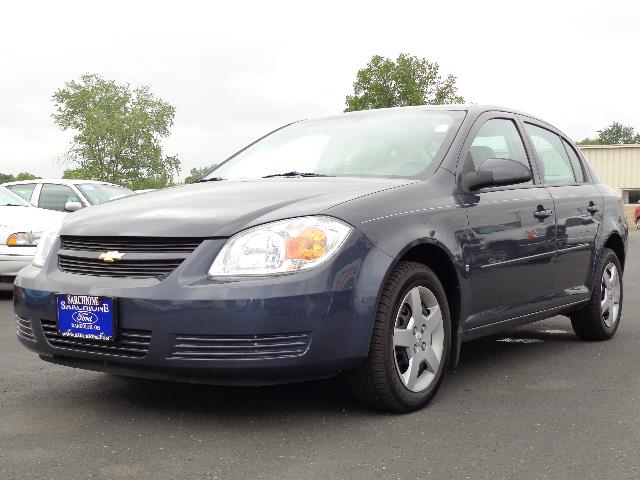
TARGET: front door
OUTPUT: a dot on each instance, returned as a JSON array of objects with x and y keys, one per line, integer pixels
[{"x": 510, "y": 246}]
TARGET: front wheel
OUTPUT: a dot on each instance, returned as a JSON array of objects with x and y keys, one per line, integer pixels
[
  {"x": 410, "y": 344},
  {"x": 599, "y": 319}
]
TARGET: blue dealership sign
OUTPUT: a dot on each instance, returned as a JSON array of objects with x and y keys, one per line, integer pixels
[{"x": 86, "y": 316}]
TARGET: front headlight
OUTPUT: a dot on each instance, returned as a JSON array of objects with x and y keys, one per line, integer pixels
[
  {"x": 283, "y": 246},
  {"x": 45, "y": 243},
  {"x": 23, "y": 239}
]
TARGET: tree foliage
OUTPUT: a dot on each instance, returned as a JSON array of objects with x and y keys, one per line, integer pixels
[
  {"x": 7, "y": 177},
  {"x": 26, "y": 176},
  {"x": 118, "y": 132},
  {"x": 408, "y": 80},
  {"x": 74, "y": 174},
  {"x": 197, "y": 173},
  {"x": 614, "y": 134}
]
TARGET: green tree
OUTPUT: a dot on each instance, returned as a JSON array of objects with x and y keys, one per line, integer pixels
[
  {"x": 26, "y": 176},
  {"x": 7, "y": 177},
  {"x": 75, "y": 174},
  {"x": 408, "y": 80},
  {"x": 197, "y": 173},
  {"x": 614, "y": 134},
  {"x": 118, "y": 132}
]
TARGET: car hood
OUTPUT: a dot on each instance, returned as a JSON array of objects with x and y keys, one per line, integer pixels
[
  {"x": 26, "y": 219},
  {"x": 220, "y": 209},
  {"x": 29, "y": 219}
]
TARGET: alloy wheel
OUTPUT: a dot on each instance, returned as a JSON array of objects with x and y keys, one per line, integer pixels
[
  {"x": 418, "y": 339},
  {"x": 610, "y": 295}
]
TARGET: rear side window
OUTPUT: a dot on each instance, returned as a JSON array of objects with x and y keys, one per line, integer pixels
[
  {"x": 575, "y": 162},
  {"x": 24, "y": 190},
  {"x": 54, "y": 197},
  {"x": 553, "y": 159},
  {"x": 497, "y": 138}
]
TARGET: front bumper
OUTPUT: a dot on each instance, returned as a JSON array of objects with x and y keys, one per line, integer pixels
[
  {"x": 12, "y": 260},
  {"x": 186, "y": 327}
]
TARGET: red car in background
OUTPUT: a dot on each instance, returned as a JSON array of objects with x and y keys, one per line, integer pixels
[{"x": 637, "y": 216}]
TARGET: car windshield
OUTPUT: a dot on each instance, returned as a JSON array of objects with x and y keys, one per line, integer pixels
[
  {"x": 98, "y": 193},
  {"x": 8, "y": 198},
  {"x": 389, "y": 144}
]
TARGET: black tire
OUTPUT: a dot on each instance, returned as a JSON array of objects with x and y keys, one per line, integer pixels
[
  {"x": 638, "y": 223},
  {"x": 377, "y": 383},
  {"x": 588, "y": 322}
]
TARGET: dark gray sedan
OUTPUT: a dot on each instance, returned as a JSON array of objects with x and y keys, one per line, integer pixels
[{"x": 371, "y": 243}]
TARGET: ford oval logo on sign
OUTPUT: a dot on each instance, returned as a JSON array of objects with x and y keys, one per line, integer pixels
[{"x": 84, "y": 317}]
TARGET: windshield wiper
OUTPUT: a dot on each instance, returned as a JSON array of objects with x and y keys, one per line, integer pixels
[
  {"x": 12, "y": 205},
  {"x": 212, "y": 179},
  {"x": 298, "y": 174}
]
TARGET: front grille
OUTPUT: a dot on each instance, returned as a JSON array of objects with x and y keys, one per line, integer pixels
[
  {"x": 23, "y": 329},
  {"x": 128, "y": 343},
  {"x": 239, "y": 347},
  {"x": 122, "y": 268},
  {"x": 144, "y": 257},
  {"x": 129, "y": 244}
]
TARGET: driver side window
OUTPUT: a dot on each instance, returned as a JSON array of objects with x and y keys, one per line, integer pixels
[{"x": 498, "y": 138}]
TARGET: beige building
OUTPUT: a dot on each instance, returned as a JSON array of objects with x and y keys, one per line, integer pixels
[{"x": 619, "y": 167}]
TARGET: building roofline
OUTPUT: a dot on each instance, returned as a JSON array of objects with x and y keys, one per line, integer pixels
[{"x": 621, "y": 145}]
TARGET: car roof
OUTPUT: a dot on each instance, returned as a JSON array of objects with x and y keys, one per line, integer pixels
[
  {"x": 473, "y": 109},
  {"x": 59, "y": 181}
]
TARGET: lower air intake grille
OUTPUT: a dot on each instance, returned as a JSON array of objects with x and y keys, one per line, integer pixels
[
  {"x": 129, "y": 268},
  {"x": 23, "y": 329},
  {"x": 240, "y": 347},
  {"x": 128, "y": 343}
]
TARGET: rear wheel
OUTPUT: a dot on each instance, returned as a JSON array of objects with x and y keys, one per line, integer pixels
[
  {"x": 638, "y": 223},
  {"x": 410, "y": 343},
  {"x": 600, "y": 318}
]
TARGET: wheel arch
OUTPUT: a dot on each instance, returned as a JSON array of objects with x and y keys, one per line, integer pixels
[
  {"x": 614, "y": 242},
  {"x": 438, "y": 258}
]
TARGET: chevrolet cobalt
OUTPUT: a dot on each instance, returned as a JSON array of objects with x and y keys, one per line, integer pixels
[{"x": 371, "y": 244}]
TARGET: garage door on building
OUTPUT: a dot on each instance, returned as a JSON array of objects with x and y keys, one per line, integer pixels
[{"x": 619, "y": 167}]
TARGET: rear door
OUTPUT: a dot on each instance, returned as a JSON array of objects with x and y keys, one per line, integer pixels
[
  {"x": 510, "y": 247},
  {"x": 578, "y": 206}
]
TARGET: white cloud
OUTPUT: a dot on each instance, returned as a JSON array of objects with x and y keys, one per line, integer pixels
[{"x": 235, "y": 70}]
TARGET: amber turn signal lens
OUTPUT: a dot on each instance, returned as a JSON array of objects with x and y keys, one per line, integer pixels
[
  {"x": 310, "y": 244},
  {"x": 20, "y": 239}
]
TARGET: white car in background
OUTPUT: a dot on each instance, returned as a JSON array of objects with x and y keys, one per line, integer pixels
[
  {"x": 21, "y": 226},
  {"x": 66, "y": 195}
]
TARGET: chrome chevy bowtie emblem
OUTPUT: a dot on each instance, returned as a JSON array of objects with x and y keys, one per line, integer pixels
[{"x": 110, "y": 257}]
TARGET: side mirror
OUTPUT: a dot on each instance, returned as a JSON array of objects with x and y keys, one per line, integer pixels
[
  {"x": 497, "y": 172},
  {"x": 72, "y": 206}
]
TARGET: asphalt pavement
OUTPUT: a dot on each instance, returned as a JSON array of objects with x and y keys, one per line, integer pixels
[{"x": 533, "y": 403}]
